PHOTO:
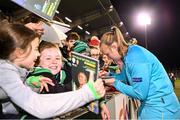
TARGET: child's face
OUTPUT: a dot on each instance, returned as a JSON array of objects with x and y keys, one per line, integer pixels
[
  {"x": 95, "y": 53},
  {"x": 70, "y": 43},
  {"x": 105, "y": 58},
  {"x": 51, "y": 59},
  {"x": 27, "y": 59}
]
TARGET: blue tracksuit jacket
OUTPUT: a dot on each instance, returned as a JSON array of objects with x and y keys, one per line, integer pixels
[{"x": 149, "y": 83}]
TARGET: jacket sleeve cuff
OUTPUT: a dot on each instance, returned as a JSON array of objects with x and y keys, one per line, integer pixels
[
  {"x": 34, "y": 79},
  {"x": 115, "y": 82}
]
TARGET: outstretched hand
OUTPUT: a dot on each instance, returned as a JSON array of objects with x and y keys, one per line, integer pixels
[
  {"x": 37, "y": 27},
  {"x": 105, "y": 112},
  {"x": 99, "y": 86},
  {"x": 102, "y": 73},
  {"x": 109, "y": 82},
  {"x": 43, "y": 81}
]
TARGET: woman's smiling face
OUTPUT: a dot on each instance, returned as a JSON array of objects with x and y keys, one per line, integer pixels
[{"x": 51, "y": 59}]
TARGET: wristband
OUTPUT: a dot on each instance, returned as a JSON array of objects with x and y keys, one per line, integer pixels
[
  {"x": 93, "y": 90},
  {"x": 35, "y": 79}
]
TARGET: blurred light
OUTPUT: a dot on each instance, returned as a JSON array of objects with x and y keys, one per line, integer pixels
[
  {"x": 79, "y": 27},
  {"x": 69, "y": 20},
  {"x": 133, "y": 38},
  {"x": 110, "y": 8},
  {"x": 57, "y": 11},
  {"x": 87, "y": 32},
  {"x": 127, "y": 33},
  {"x": 86, "y": 25},
  {"x": 144, "y": 19},
  {"x": 121, "y": 23}
]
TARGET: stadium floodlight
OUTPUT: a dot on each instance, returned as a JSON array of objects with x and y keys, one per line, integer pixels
[{"x": 144, "y": 19}]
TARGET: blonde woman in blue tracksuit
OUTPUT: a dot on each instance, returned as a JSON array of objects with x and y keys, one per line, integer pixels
[{"x": 147, "y": 78}]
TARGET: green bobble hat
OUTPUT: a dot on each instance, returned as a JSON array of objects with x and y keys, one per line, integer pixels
[{"x": 80, "y": 47}]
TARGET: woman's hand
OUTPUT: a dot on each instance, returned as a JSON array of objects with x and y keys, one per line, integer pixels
[
  {"x": 44, "y": 81},
  {"x": 105, "y": 112},
  {"x": 99, "y": 86},
  {"x": 41, "y": 82},
  {"x": 109, "y": 82},
  {"x": 102, "y": 73},
  {"x": 37, "y": 27}
]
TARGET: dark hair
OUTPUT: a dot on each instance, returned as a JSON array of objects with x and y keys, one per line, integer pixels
[
  {"x": 80, "y": 69},
  {"x": 72, "y": 35},
  {"x": 44, "y": 45},
  {"x": 85, "y": 73},
  {"x": 114, "y": 35},
  {"x": 31, "y": 18},
  {"x": 14, "y": 36}
]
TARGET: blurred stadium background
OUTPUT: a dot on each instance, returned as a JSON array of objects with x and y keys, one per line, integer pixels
[{"x": 177, "y": 88}]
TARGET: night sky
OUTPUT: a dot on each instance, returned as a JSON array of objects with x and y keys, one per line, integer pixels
[{"x": 163, "y": 35}]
